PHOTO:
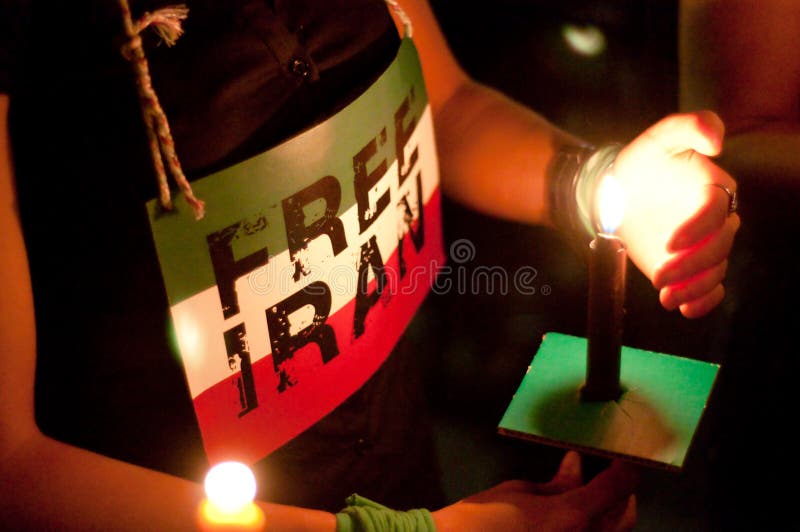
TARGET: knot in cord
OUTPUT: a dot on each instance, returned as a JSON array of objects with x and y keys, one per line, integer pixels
[{"x": 167, "y": 22}]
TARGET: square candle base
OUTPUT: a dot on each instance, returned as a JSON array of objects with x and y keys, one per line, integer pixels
[{"x": 652, "y": 423}]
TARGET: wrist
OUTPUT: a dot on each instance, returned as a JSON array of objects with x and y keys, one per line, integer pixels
[
  {"x": 446, "y": 520},
  {"x": 573, "y": 180},
  {"x": 364, "y": 515},
  {"x": 458, "y": 517}
]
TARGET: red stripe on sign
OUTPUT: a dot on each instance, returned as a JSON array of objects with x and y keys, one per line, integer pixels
[{"x": 319, "y": 387}]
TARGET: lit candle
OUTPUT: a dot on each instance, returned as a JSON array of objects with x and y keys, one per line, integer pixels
[
  {"x": 607, "y": 260},
  {"x": 230, "y": 489}
]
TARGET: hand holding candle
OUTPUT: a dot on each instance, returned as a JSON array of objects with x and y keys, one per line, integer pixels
[{"x": 678, "y": 230}]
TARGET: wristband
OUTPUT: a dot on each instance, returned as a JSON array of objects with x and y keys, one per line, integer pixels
[
  {"x": 574, "y": 177},
  {"x": 364, "y": 515}
]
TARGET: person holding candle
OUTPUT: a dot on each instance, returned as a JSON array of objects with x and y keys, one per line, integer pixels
[{"x": 248, "y": 81}]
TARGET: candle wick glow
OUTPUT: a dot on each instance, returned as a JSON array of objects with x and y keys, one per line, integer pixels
[{"x": 610, "y": 204}]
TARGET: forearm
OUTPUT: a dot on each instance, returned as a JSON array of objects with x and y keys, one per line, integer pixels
[
  {"x": 61, "y": 486},
  {"x": 495, "y": 154},
  {"x": 45, "y": 484}
]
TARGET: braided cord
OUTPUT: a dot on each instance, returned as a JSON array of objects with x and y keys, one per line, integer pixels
[{"x": 162, "y": 147}]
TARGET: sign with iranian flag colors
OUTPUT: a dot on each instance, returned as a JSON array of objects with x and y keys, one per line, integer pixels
[{"x": 309, "y": 264}]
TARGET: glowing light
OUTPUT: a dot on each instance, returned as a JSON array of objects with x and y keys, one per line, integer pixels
[
  {"x": 230, "y": 487},
  {"x": 214, "y": 519},
  {"x": 584, "y": 40},
  {"x": 610, "y": 203},
  {"x": 188, "y": 336}
]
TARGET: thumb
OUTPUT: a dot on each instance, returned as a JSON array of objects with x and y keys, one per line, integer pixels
[
  {"x": 621, "y": 518},
  {"x": 569, "y": 475},
  {"x": 607, "y": 489}
]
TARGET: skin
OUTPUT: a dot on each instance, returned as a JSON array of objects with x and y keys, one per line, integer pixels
[
  {"x": 678, "y": 256},
  {"x": 741, "y": 59},
  {"x": 57, "y": 484},
  {"x": 563, "y": 503},
  {"x": 680, "y": 237}
]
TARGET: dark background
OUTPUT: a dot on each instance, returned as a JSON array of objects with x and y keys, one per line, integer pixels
[{"x": 478, "y": 345}]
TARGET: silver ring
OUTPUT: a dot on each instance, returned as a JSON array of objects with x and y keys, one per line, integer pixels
[{"x": 733, "y": 198}]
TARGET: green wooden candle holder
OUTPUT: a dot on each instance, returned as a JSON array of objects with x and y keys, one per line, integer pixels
[{"x": 652, "y": 423}]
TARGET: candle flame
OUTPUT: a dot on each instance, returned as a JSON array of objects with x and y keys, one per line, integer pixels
[
  {"x": 230, "y": 487},
  {"x": 610, "y": 203}
]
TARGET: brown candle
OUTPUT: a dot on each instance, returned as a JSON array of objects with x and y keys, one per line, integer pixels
[{"x": 607, "y": 262}]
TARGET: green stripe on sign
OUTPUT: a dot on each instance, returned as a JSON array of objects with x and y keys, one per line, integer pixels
[{"x": 251, "y": 193}]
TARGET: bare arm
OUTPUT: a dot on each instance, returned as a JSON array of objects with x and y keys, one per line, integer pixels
[
  {"x": 495, "y": 154},
  {"x": 741, "y": 59},
  {"x": 494, "y": 158},
  {"x": 44, "y": 482}
]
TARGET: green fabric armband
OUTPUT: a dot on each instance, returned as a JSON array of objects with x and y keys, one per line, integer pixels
[{"x": 364, "y": 515}]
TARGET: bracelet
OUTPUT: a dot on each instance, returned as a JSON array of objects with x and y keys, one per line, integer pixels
[
  {"x": 574, "y": 177},
  {"x": 364, "y": 515}
]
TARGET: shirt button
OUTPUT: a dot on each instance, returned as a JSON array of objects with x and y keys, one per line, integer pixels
[{"x": 300, "y": 68}]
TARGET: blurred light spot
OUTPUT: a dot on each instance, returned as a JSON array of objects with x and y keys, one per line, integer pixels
[
  {"x": 584, "y": 40},
  {"x": 188, "y": 337}
]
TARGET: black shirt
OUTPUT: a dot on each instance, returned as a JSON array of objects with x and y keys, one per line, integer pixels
[{"x": 244, "y": 76}]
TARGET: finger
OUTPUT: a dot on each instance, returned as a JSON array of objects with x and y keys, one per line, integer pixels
[
  {"x": 609, "y": 488},
  {"x": 702, "y": 256},
  {"x": 629, "y": 517},
  {"x": 621, "y": 518},
  {"x": 569, "y": 474},
  {"x": 702, "y": 306},
  {"x": 674, "y": 295},
  {"x": 701, "y": 131},
  {"x": 504, "y": 490},
  {"x": 567, "y": 477},
  {"x": 711, "y": 216},
  {"x": 517, "y": 485}
]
